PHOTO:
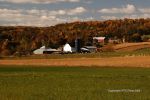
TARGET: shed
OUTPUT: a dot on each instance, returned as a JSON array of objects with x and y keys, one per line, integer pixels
[
  {"x": 44, "y": 50},
  {"x": 90, "y": 48}
]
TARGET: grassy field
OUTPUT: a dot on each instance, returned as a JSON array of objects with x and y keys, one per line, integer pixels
[{"x": 78, "y": 83}]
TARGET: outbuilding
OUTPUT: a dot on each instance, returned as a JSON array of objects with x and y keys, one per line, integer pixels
[
  {"x": 44, "y": 50},
  {"x": 89, "y": 49},
  {"x": 100, "y": 39}
]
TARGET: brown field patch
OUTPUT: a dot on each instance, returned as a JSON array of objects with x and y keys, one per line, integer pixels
[
  {"x": 131, "y": 46},
  {"x": 134, "y": 61}
]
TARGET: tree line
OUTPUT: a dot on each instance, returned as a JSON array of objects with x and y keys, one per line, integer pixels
[{"x": 27, "y": 38}]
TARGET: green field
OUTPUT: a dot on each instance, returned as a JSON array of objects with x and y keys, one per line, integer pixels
[{"x": 78, "y": 83}]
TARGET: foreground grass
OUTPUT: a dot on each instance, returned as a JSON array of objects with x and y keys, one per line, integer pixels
[{"x": 80, "y": 83}]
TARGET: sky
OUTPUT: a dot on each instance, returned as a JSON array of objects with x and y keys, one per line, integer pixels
[{"x": 51, "y": 12}]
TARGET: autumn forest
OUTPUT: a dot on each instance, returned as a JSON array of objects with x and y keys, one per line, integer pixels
[{"x": 26, "y": 38}]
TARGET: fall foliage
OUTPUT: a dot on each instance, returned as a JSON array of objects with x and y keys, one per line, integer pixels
[{"x": 26, "y": 39}]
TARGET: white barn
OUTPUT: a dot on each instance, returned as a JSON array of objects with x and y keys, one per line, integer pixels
[{"x": 67, "y": 48}]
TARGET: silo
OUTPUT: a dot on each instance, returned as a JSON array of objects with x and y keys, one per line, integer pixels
[{"x": 78, "y": 44}]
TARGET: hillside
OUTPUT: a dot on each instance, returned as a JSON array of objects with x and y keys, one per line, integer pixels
[{"x": 26, "y": 39}]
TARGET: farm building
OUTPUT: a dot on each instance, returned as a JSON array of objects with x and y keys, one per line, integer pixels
[
  {"x": 100, "y": 39},
  {"x": 77, "y": 45},
  {"x": 44, "y": 50},
  {"x": 89, "y": 49},
  {"x": 114, "y": 41},
  {"x": 67, "y": 48}
]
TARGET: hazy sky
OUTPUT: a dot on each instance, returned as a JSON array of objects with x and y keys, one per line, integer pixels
[{"x": 51, "y": 12}]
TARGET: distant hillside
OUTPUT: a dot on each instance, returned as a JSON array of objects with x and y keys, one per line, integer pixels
[{"x": 26, "y": 39}]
